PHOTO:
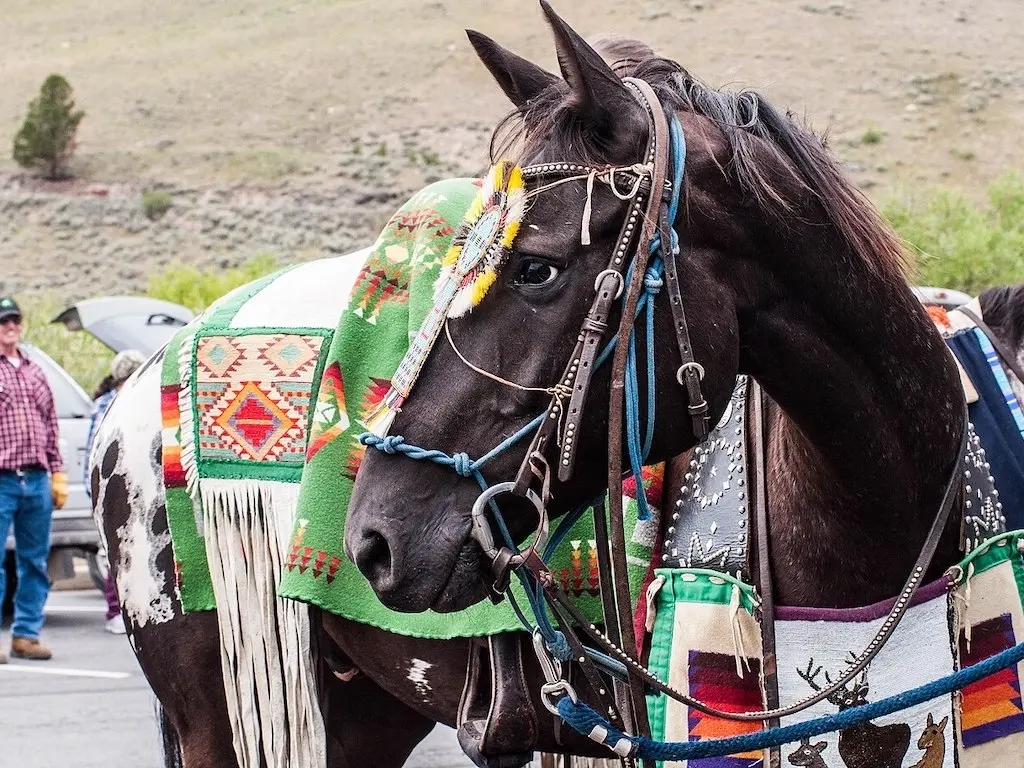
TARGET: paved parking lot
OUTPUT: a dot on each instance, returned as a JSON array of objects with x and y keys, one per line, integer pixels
[{"x": 90, "y": 707}]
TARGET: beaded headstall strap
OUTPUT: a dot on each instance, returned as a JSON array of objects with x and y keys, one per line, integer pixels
[
  {"x": 468, "y": 270},
  {"x": 564, "y": 414},
  {"x": 480, "y": 248}
]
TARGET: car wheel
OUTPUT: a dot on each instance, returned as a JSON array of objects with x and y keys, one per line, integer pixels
[{"x": 99, "y": 567}]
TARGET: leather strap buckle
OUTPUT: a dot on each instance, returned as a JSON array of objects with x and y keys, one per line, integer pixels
[
  {"x": 620, "y": 282},
  {"x": 690, "y": 366}
]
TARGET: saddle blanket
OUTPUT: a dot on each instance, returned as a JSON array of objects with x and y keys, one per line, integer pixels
[
  {"x": 707, "y": 642},
  {"x": 263, "y": 399}
]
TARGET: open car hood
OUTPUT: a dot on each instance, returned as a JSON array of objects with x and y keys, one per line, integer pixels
[{"x": 127, "y": 322}]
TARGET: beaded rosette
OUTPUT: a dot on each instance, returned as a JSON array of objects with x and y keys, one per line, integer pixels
[{"x": 479, "y": 249}]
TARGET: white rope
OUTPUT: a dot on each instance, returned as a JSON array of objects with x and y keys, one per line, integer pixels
[
  {"x": 606, "y": 176},
  {"x": 640, "y": 169},
  {"x": 587, "y": 206}
]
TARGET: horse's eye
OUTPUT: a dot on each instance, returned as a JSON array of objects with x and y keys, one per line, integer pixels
[{"x": 536, "y": 272}]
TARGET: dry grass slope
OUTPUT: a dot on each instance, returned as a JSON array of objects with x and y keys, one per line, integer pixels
[{"x": 918, "y": 91}]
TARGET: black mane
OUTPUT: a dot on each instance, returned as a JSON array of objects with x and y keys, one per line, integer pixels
[
  {"x": 774, "y": 160},
  {"x": 1003, "y": 308}
]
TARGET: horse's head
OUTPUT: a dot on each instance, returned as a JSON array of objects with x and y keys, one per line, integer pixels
[{"x": 409, "y": 522}]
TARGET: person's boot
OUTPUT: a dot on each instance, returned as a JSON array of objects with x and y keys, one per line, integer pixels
[
  {"x": 29, "y": 648},
  {"x": 3, "y": 657}
]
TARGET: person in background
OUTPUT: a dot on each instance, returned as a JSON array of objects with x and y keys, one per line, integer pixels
[
  {"x": 32, "y": 481},
  {"x": 122, "y": 367}
]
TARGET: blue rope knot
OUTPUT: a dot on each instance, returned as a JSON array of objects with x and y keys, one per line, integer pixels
[
  {"x": 559, "y": 646},
  {"x": 391, "y": 444},
  {"x": 652, "y": 282},
  {"x": 462, "y": 464}
]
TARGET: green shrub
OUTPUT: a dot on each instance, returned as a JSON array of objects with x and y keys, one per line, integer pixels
[
  {"x": 86, "y": 359},
  {"x": 872, "y": 135},
  {"x": 962, "y": 244},
  {"x": 155, "y": 203},
  {"x": 46, "y": 140},
  {"x": 197, "y": 289}
]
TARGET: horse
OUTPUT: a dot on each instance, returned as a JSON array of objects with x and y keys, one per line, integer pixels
[
  {"x": 771, "y": 223},
  {"x": 785, "y": 274}
]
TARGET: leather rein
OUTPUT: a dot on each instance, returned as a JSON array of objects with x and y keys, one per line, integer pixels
[{"x": 647, "y": 214}]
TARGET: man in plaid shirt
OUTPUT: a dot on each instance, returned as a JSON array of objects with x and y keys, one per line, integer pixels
[{"x": 32, "y": 481}]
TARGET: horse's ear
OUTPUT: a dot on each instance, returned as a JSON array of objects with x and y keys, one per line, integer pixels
[
  {"x": 596, "y": 92},
  {"x": 929, "y": 723},
  {"x": 820, "y": 747},
  {"x": 943, "y": 722},
  {"x": 521, "y": 80}
]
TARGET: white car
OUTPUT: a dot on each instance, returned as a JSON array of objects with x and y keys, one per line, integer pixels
[
  {"x": 120, "y": 322},
  {"x": 947, "y": 298}
]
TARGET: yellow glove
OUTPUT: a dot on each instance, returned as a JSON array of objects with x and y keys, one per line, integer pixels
[{"x": 59, "y": 488}]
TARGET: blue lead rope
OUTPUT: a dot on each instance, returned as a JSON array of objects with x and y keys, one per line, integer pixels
[{"x": 588, "y": 722}]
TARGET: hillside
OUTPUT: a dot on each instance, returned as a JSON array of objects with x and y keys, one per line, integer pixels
[{"x": 297, "y": 127}]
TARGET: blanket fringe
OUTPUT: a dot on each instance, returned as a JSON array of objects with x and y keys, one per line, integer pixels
[
  {"x": 265, "y": 655},
  {"x": 187, "y": 425}
]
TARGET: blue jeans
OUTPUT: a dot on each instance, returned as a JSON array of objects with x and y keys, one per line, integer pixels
[{"x": 27, "y": 501}]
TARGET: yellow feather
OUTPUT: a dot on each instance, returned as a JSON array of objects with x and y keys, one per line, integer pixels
[
  {"x": 511, "y": 230},
  {"x": 515, "y": 180},
  {"x": 452, "y": 256},
  {"x": 475, "y": 209},
  {"x": 482, "y": 284}
]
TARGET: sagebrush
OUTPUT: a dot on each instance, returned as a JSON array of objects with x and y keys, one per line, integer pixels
[
  {"x": 197, "y": 289},
  {"x": 956, "y": 243},
  {"x": 155, "y": 203},
  {"x": 961, "y": 244}
]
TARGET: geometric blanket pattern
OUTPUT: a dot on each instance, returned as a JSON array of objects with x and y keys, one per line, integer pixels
[
  {"x": 713, "y": 679},
  {"x": 991, "y": 706},
  {"x": 253, "y": 396}
]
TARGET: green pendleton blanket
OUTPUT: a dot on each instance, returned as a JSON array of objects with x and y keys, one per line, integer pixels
[{"x": 263, "y": 400}]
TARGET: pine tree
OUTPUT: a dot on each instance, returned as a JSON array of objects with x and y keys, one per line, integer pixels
[{"x": 46, "y": 140}]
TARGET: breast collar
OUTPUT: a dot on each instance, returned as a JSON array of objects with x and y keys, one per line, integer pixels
[{"x": 711, "y": 511}]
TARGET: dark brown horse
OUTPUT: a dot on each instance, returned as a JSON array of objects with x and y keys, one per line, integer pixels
[{"x": 789, "y": 275}]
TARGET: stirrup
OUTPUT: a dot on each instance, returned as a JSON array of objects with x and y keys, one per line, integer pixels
[{"x": 497, "y": 724}]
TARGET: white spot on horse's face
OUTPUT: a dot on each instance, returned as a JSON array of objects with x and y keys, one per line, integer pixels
[
  {"x": 418, "y": 677},
  {"x": 533, "y": 226}
]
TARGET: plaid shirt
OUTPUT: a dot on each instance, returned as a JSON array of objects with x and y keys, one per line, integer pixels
[{"x": 28, "y": 418}]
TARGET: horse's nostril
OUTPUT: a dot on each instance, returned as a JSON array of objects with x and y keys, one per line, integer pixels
[{"x": 374, "y": 558}]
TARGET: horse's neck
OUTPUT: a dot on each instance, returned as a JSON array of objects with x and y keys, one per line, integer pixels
[{"x": 862, "y": 446}]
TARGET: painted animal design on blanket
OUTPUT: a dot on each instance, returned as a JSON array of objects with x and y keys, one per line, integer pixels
[
  {"x": 933, "y": 742},
  {"x": 809, "y": 755},
  {"x": 866, "y": 745}
]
